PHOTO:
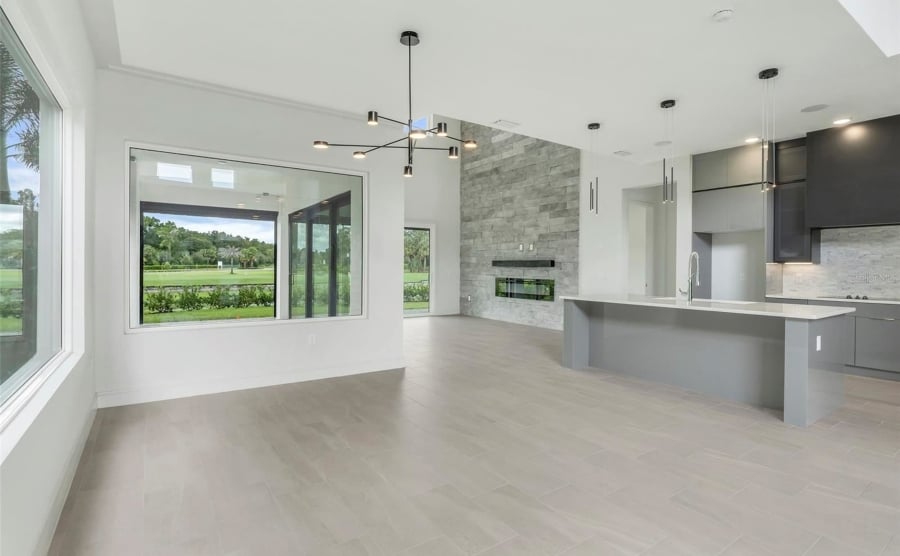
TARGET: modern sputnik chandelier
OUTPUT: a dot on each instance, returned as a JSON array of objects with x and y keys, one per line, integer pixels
[{"x": 408, "y": 39}]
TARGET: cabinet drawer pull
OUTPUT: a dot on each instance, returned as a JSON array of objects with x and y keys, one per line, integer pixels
[{"x": 885, "y": 319}]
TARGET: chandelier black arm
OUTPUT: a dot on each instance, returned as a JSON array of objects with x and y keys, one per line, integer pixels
[
  {"x": 387, "y": 145},
  {"x": 454, "y": 138},
  {"x": 380, "y": 117}
]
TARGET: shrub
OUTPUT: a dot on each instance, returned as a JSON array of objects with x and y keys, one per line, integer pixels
[
  {"x": 321, "y": 296},
  {"x": 220, "y": 298},
  {"x": 160, "y": 302},
  {"x": 190, "y": 299},
  {"x": 415, "y": 291},
  {"x": 11, "y": 304},
  {"x": 265, "y": 296},
  {"x": 246, "y": 296}
]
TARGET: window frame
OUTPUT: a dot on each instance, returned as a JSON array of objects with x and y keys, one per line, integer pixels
[
  {"x": 51, "y": 320},
  {"x": 432, "y": 265},
  {"x": 177, "y": 209},
  {"x": 131, "y": 319}
]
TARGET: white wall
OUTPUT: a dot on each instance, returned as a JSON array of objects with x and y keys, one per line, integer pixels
[
  {"x": 41, "y": 438},
  {"x": 603, "y": 239},
  {"x": 738, "y": 266},
  {"x": 435, "y": 202},
  {"x": 141, "y": 365}
]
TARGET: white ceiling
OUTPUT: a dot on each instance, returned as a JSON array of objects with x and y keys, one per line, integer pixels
[{"x": 550, "y": 66}]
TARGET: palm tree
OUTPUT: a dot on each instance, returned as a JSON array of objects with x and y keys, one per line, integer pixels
[
  {"x": 20, "y": 109},
  {"x": 229, "y": 253}
]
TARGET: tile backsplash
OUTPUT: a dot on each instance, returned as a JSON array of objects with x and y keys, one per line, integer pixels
[{"x": 856, "y": 261}]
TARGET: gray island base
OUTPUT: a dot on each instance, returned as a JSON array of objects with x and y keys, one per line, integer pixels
[{"x": 788, "y": 357}]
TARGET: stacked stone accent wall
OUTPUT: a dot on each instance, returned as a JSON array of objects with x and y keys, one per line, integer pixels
[
  {"x": 517, "y": 190},
  {"x": 855, "y": 261}
]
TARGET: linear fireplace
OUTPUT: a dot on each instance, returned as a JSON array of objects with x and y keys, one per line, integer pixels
[{"x": 540, "y": 289}]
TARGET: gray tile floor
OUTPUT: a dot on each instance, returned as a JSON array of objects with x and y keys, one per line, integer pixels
[{"x": 485, "y": 445}]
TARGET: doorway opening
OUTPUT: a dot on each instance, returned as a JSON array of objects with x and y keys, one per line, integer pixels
[{"x": 416, "y": 270}]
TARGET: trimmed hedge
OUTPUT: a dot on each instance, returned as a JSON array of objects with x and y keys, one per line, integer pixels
[{"x": 191, "y": 298}]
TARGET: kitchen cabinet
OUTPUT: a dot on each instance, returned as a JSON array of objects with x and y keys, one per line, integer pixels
[
  {"x": 728, "y": 168},
  {"x": 735, "y": 209},
  {"x": 853, "y": 172},
  {"x": 710, "y": 170},
  {"x": 793, "y": 240},
  {"x": 875, "y": 332},
  {"x": 876, "y": 342},
  {"x": 790, "y": 161}
]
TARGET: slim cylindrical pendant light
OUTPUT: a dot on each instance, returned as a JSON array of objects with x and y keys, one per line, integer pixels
[
  {"x": 768, "y": 127},
  {"x": 442, "y": 129},
  {"x": 320, "y": 144},
  {"x": 453, "y": 152},
  {"x": 407, "y": 171},
  {"x": 372, "y": 118}
]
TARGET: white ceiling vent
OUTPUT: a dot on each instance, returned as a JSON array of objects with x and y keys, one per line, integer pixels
[{"x": 506, "y": 124}]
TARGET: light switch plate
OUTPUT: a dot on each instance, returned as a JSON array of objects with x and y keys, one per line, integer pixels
[{"x": 818, "y": 343}]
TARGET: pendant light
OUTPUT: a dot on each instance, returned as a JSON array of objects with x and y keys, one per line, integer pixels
[
  {"x": 668, "y": 107},
  {"x": 408, "y": 39},
  {"x": 594, "y": 184},
  {"x": 767, "y": 140}
]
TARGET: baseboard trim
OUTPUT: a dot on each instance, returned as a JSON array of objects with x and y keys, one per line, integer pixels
[
  {"x": 65, "y": 486},
  {"x": 115, "y": 398}
]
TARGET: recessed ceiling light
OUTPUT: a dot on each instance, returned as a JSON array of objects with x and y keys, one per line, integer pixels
[
  {"x": 751, "y": 140},
  {"x": 722, "y": 16},
  {"x": 814, "y": 108},
  {"x": 842, "y": 121},
  {"x": 622, "y": 153},
  {"x": 241, "y": 205},
  {"x": 662, "y": 143}
]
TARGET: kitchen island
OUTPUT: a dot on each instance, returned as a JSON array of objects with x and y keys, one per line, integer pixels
[{"x": 773, "y": 355}]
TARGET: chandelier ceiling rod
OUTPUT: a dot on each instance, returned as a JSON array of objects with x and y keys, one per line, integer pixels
[{"x": 408, "y": 39}]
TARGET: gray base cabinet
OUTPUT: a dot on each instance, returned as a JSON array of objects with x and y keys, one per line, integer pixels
[
  {"x": 876, "y": 333},
  {"x": 878, "y": 343}
]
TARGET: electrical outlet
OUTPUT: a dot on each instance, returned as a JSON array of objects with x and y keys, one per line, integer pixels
[
  {"x": 468, "y": 298},
  {"x": 818, "y": 343},
  {"x": 311, "y": 339}
]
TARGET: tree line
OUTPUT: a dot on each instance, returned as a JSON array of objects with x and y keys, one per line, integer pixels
[{"x": 166, "y": 244}]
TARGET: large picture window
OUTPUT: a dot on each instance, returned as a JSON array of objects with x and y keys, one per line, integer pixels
[
  {"x": 30, "y": 256},
  {"x": 206, "y": 263},
  {"x": 208, "y": 240}
]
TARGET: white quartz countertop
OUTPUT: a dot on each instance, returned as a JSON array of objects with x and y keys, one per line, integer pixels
[
  {"x": 781, "y": 310},
  {"x": 841, "y": 299}
]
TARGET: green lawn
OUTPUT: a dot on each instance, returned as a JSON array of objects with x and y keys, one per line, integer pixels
[
  {"x": 210, "y": 314},
  {"x": 211, "y": 277},
  {"x": 10, "y": 278},
  {"x": 415, "y": 276},
  {"x": 415, "y": 305},
  {"x": 10, "y": 325}
]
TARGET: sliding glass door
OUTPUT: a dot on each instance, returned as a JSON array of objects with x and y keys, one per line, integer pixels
[
  {"x": 416, "y": 270},
  {"x": 321, "y": 259}
]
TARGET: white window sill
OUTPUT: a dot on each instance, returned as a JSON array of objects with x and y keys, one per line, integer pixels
[{"x": 22, "y": 408}]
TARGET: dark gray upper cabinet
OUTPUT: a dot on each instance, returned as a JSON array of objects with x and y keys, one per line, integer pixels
[
  {"x": 854, "y": 175},
  {"x": 728, "y": 168},
  {"x": 793, "y": 240},
  {"x": 790, "y": 161}
]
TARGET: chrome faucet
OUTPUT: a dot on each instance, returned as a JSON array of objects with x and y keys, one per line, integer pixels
[{"x": 693, "y": 274}]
